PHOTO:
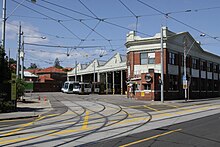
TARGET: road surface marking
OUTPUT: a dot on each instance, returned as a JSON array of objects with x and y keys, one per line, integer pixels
[
  {"x": 174, "y": 106},
  {"x": 17, "y": 140},
  {"x": 11, "y": 132},
  {"x": 151, "y": 108},
  {"x": 163, "y": 114},
  {"x": 86, "y": 119},
  {"x": 84, "y": 127},
  {"x": 137, "y": 106},
  {"x": 149, "y": 138},
  {"x": 64, "y": 132}
]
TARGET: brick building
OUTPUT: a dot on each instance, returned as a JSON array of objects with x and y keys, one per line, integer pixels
[
  {"x": 49, "y": 79},
  {"x": 144, "y": 67}
]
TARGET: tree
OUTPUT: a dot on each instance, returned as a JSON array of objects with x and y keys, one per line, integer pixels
[
  {"x": 12, "y": 61},
  {"x": 20, "y": 83},
  {"x": 57, "y": 63},
  {"x": 33, "y": 66}
]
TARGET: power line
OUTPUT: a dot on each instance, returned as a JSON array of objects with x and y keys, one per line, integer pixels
[
  {"x": 66, "y": 8},
  {"x": 177, "y": 20},
  {"x": 61, "y": 46},
  {"x": 131, "y": 13},
  {"x": 95, "y": 18},
  {"x": 88, "y": 9}
]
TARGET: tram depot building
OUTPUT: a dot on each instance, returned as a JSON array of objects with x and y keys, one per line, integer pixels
[{"x": 139, "y": 73}]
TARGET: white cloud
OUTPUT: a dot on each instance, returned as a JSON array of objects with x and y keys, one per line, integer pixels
[{"x": 30, "y": 32}]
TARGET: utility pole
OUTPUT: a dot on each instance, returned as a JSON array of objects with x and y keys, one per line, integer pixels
[
  {"x": 94, "y": 72},
  {"x": 162, "y": 67},
  {"x": 2, "y": 47},
  {"x": 75, "y": 70},
  {"x": 3, "y": 26},
  {"x": 18, "y": 54},
  {"x": 22, "y": 57},
  {"x": 184, "y": 69}
]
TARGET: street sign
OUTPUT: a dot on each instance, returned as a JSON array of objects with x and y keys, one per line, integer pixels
[
  {"x": 185, "y": 84},
  {"x": 13, "y": 87}
]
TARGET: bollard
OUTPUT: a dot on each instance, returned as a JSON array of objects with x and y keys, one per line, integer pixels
[
  {"x": 45, "y": 99},
  {"x": 39, "y": 98}
]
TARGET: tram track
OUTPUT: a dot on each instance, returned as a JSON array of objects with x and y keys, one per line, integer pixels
[{"x": 106, "y": 122}]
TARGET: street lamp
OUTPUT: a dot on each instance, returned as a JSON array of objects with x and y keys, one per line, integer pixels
[
  {"x": 185, "y": 53},
  {"x": 21, "y": 54}
]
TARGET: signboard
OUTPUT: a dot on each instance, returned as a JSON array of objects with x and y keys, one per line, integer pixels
[
  {"x": 185, "y": 84},
  {"x": 142, "y": 93},
  {"x": 13, "y": 87}
]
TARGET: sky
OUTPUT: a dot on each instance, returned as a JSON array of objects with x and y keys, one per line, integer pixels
[{"x": 82, "y": 30}]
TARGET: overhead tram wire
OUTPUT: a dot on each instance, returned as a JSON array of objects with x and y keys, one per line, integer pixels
[
  {"x": 64, "y": 37},
  {"x": 101, "y": 19},
  {"x": 67, "y": 8},
  {"x": 131, "y": 13},
  {"x": 72, "y": 18},
  {"x": 60, "y": 46},
  {"x": 87, "y": 36},
  {"x": 88, "y": 9},
  {"x": 56, "y": 20},
  {"x": 104, "y": 20},
  {"x": 183, "y": 23}
]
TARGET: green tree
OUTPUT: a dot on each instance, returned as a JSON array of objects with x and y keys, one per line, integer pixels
[
  {"x": 57, "y": 63},
  {"x": 20, "y": 83},
  {"x": 33, "y": 66}
]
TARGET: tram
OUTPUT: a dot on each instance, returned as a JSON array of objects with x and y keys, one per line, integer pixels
[
  {"x": 76, "y": 87},
  {"x": 70, "y": 87}
]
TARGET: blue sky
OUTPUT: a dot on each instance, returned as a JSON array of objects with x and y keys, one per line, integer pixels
[{"x": 71, "y": 23}]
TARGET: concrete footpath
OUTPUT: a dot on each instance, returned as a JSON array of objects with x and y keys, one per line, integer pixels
[{"x": 30, "y": 108}]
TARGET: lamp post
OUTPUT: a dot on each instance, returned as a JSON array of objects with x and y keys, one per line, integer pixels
[
  {"x": 162, "y": 67},
  {"x": 2, "y": 47},
  {"x": 21, "y": 54},
  {"x": 184, "y": 69},
  {"x": 94, "y": 71},
  {"x": 75, "y": 70},
  {"x": 185, "y": 53},
  {"x": 3, "y": 27}
]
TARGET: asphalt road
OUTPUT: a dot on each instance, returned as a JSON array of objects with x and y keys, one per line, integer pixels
[
  {"x": 203, "y": 132},
  {"x": 93, "y": 120}
]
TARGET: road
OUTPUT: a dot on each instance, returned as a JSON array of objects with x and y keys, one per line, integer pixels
[
  {"x": 201, "y": 132},
  {"x": 93, "y": 120}
]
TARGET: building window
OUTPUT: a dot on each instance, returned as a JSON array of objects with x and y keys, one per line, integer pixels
[
  {"x": 216, "y": 86},
  {"x": 209, "y": 85},
  {"x": 209, "y": 67},
  {"x": 173, "y": 82},
  {"x": 172, "y": 58},
  {"x": 147, "y": 58},
  {"x": 143, "y": 58},
  {"x": 215, "y": 68},
  {"x": 195, "y": 63},
  {"x": 203, "y": 65},
  {"x": 147, "y": 86},
  {"x": 195, "y": 84},
  {"x": 203, "y": 85}
]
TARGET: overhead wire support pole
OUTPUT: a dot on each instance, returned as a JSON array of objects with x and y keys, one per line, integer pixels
[
  {"x": 3, "y": 26},
  {"x": 22, "y": 57},
  {"x": 2, "y": 47},
  {"x": 75, "y": 70},
  {"x": 162, "y": 67},
  {"x": 184, "y": 70},
  {"x": 18, "y": 53}
]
